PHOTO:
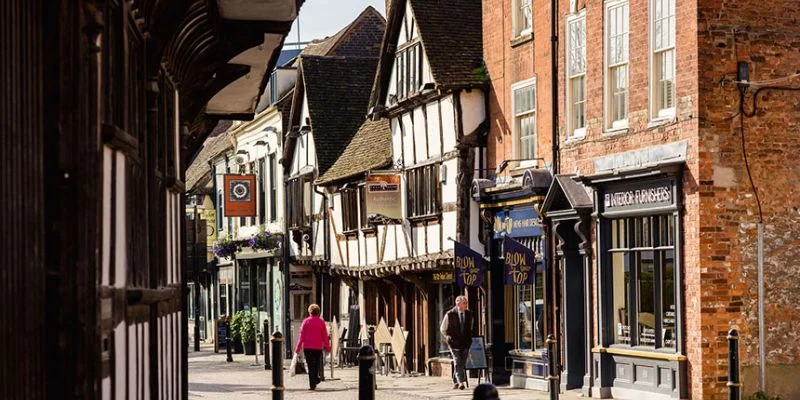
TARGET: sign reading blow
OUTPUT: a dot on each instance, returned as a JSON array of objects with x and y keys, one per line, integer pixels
[
  {"x": 469, "y": 266},
  {"x": 520, "y": 263}
]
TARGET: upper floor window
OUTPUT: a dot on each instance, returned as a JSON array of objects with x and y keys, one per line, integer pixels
[
  {"x": 523, "y": 17},
  {"x": 300, "y": 206},
  {"x": 349, "y": 210},
  {"x": 576, "y": 76},
  {"x": 617, "y": 64},
  {"x": 524, "y": 104},
  {"x": 273, "y": 188},
  {"x": 424, "y": 191},
  {"x": 408, "y": 70},
  {"x": 262, "y": 198},
  {"x": 662, "y": 78},
  {"x": 362, "y": 197}
]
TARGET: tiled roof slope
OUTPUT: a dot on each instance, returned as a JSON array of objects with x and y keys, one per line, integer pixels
[
  {"x": 451, "y": 36},
  {"x": 337, "y": 89},
  {"x": 199, "y": 170},
  {"x": 370, "y": 148},
  {"x": 360, "y": 38}
]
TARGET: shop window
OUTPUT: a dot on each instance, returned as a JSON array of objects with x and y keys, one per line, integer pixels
[
  {"x": 244, "y": 286},
  {"x": 424, "y": 191},
  {"x": 531, "y": 315},
  {"x": 300, "y": 303},
  {"x": 444, "y": 301},
  {"x": 223, "y": 299},
  {"x": 643, "y": 281}
]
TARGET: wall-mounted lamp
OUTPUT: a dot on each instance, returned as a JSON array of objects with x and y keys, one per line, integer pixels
[
  {"x": 242, "y": 152},
  {"x": 262, "y": 143},
  {"x": 504, "y": 164},
  {"x": 305, "y": 129}
]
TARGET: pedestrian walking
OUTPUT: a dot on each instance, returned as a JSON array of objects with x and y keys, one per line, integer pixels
[
  {"x": 313, "y": 340},
  {"x": 457, "y": 332},
  {"x": 485, "y": 391}
]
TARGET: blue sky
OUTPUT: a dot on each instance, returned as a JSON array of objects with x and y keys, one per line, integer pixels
[{"x": 320, "y": 18}]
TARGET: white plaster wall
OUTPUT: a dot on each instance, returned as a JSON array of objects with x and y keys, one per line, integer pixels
[
  {"x": 448, "y": 124},
  {"x": 408, "y": 140},
  {"x": 352, "y": 248},
  {"x": 372, "y": 249},
  {"x": 473, "y": 110},
  {"x": 397, "y": 149},
  {"x": 450, "y": 186},
  {"x": 449, "y": 228},
  {"x": 421, "y": 138},
  {"x": 434, "y": 139},
  {"x": 434, "y": 245}
]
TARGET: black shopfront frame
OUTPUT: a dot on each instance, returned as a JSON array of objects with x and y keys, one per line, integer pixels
[{"x": 633, "y": 370}]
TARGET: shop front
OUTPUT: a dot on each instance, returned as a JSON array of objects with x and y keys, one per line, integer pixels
[
  {"x": 520, "y": 309},
  {"x": 640, "y": 351}
]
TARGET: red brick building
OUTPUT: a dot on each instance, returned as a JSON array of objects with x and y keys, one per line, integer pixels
[{"x": 652, "y": 214}]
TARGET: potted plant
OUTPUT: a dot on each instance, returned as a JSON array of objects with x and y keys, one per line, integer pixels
[
  {"x": 236, "y": 329},
  {"x": 226, "y": 247},
  {"x": 247, "y": 331},
  {"x": 265, "y": 240}
]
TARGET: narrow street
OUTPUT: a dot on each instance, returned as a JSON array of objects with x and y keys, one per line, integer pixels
[{"x": 210, "y": 377}]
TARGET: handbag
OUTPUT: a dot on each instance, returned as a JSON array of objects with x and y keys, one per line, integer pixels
[{"x": 298, "y": 365}]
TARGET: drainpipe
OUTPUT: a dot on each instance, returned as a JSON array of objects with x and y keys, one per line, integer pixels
[{"x": 554, "y": 78}]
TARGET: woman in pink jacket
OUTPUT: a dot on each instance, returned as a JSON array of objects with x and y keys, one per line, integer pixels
[{"x": 313, "y": 339}]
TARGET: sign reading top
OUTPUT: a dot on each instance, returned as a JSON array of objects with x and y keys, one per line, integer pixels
[
  {"x": 639, "y": 196},
  {"x": 384, "y": 198}
]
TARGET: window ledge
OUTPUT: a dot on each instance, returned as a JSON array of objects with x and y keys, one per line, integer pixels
[
  {"x": 426, "y": 217},
  {"x": 611, "y": 132},
  {"x": 368, "y": 231},
  {"x": 526, "y": 353},
  {"x": 522, "y": 38},
  {"x": 350, "y": 233},
  {"x": 640, "y": 352},
  {"x": 575, "y": 138},
  {"x": 662, "y": 121}
]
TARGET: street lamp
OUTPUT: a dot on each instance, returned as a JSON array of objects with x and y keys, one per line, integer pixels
[{"x": 504, "y": 164}]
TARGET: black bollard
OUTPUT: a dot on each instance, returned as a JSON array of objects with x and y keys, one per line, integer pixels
[
  {"x": 266, "y": 346},
  {"x": 552, "y": 377},
  {"x": 277, "y": 372},
  {"x": 366, "y": 373},
  {"x": 734, "y": 386},
  {"x": 228, "y": 341}
]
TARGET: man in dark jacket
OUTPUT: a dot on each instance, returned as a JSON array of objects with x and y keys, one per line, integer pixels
[{"x": 457, "y": 331}]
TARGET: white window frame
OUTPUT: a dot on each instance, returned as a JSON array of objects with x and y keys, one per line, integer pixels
[
  {"x": 517, "y": 139},
  {"x": 572, "y": 132},
  {"x": 610, "y": 123},
  {"x": 657, "y": 112},
  {"x": 517, "y": 18}
]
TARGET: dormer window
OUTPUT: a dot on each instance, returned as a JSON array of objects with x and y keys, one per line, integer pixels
[{"x": 408, "y": 70}]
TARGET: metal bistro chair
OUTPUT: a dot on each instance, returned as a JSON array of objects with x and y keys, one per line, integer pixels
[{"x": 348, "y": 348}]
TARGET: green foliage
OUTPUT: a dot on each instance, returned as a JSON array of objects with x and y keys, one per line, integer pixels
[
  {"x": 482, "y": 73},
  {"x": 761, "y": 396},
  {"x": 247, "y": 330},
  {"x": 236, "y": 325}
]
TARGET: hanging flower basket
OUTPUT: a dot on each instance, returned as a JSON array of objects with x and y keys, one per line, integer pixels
[
  {"x": 265, "y": 241},
  {"x": 226, "y": 247}
]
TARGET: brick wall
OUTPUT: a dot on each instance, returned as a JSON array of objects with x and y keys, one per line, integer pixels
[
  {"x": 508, "y": 63},
  {"x": 766, "y": 35}
]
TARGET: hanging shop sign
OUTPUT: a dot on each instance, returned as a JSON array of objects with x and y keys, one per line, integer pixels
[
  {"x": 469, "y": 266},
  {"x": 517, "y": 222},
  {"x": 384, "y": 198},
  {"x": 520, "y": 263},
  {"x": 638, "y": 196},
  {"x": 240, "y": 201}
]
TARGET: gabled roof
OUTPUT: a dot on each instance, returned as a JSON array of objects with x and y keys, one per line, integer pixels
[
  {"x": 451, "y": 35},
  {"x": 360, "y": 38},
  {"x": 337, "y": 91},
  {"x": 199, "y": 171},
  {"x": 370, "y": 148},
  {"x": 566, "y": 194}
]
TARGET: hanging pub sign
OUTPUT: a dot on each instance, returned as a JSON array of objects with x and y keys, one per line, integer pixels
[
  {"x": 517, "y": 222},
  {"x": 384, "y": 198},
  {"x": 520, "y": 263},
  {"x": 469, "y": 266},
  {"x": 240, "y": 201}
]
